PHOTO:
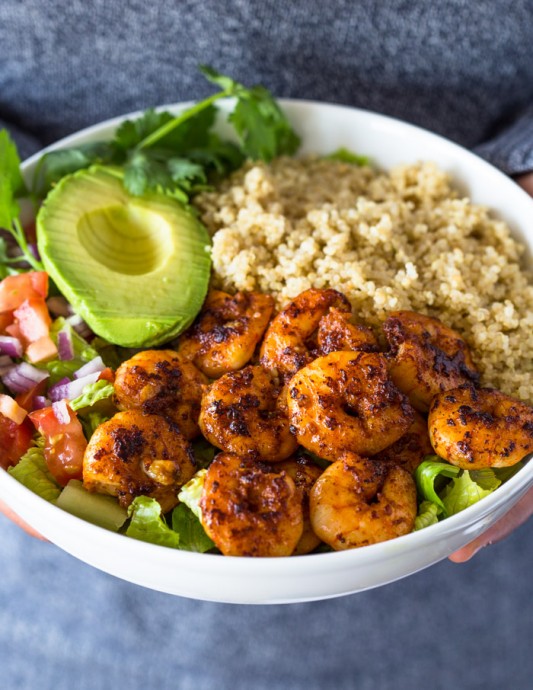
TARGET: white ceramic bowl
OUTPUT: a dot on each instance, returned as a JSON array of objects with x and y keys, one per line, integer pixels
[{"x": 388, "y": 142}]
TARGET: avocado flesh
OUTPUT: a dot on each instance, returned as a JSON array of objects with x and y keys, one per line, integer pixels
[{"x": 136, "y": 269}]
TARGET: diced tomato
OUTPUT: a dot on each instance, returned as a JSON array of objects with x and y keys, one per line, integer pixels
[
  {"x": 33, "y": 319},
  {"x": 65, "y": 443},
  {"x": 5, "y": 321},
  {"x": 15, "y": 439},
  {"x": 14, "y": 290},
  {"x": 41, "y": 350},
  {"x": 107, "y": 375},
  {"x": 26, "y": 400}
]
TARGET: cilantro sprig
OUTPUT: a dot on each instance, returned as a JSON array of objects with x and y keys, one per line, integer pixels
[
  {"x": 12, "y": 188},
  {"x": 178, "y": 154}
]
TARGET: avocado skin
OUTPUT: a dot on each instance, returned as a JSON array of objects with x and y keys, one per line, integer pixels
[{"x": 136, "y": 269}]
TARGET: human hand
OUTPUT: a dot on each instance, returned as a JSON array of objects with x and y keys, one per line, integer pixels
[{"x": 524, "y": 508}]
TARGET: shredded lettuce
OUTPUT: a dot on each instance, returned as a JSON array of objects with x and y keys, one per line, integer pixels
[
  {"x": 147, "y": 524},
  {"x": 93, "y": 393},
  {"x": 187, "y": 516},
  {"x": 192, "y": 536},
  {"x": 32, "y": 471},
  {"x": 187, "y": 533},
  {"x": 428, "y": 513},
  {"x": 90, "y": 421},
  {"x": 191, "y": 493},
  {"x": 446, "y": 490},
  {"x": 426, "y": 474},
  {"x": 464, "y": 491}
]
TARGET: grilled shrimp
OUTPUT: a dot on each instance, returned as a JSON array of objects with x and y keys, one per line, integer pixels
[
  {"x": 357, "y": 501},
  {"x": 476, "y": 428},
  {"x": 248, "y": 509},
  {"x": 336, "y": 333},
  {"x": 304, "y": 473},
  {"x": 411, "y": 448},
  {"x": 162, "y": 382},
  {"x": 345, "y": 401},
  {"x": 286, "y": 345},
  {"x": 134, "y": 454},
  {"x": 243, "y": 412},
  {"x": 427, "y": 357},
  {"x": 225, "y": 334}
]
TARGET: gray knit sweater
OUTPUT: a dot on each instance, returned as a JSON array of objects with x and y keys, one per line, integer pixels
[{"x": 463, "y": 69}]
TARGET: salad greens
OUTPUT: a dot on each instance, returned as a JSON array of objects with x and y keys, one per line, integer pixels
[
  {"x": 446, "y": 489},
  {"x": 32, "y": 471}
]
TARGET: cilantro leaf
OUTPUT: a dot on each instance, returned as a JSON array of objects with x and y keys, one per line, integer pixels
[
  {"x": 258, "y": 120},
  {"x": 344, "y": 155},
  {"x": 54, "y": 165},
  {"x": 11, "y": 183}
]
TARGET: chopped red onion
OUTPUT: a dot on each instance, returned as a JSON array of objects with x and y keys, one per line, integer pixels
[
  {"x": 60, "y": 384},
  {"x": 79, "y": 325},
  {"x": 61, "y": 411},
  {"x": 65, "y": 347},
  {"x": 10, "y": 346},
  {"x": 59, "y": 306},
  {"x": 21, "y": 377},
  {"x": 39, "y": 401},
  {"x": 72, "y": 389},
  {"x": 6, "y": 363},
  {"x": 96, "y": 365}
]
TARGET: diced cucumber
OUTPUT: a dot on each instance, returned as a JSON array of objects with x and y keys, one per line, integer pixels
[{"x": 99, "y": 509}]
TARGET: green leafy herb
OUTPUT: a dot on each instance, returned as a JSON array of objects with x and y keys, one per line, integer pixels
[
  {"x": 11, "y": 189},
  {"x": 178, "y": 154},
  {"x": 344, "y": 155},
  {"x": 258, "y": 120}
]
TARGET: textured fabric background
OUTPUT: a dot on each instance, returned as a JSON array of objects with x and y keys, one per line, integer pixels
[{"x": 463, "y": 69}]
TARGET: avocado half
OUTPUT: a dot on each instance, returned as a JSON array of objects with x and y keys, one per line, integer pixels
[{"x": 136, "y": 269}]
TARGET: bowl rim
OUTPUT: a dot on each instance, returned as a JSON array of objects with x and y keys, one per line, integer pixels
[{"x": 471, "y": 516}]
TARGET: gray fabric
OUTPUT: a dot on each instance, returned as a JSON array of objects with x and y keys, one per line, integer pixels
[{"x": 463, "y": 69}]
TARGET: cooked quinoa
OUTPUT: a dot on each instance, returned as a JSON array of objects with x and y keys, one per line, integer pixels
[{"x": 399, "y": 240}]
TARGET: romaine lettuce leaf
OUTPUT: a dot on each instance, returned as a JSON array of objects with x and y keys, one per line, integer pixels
[
  {"x": 428, "y": 513},
  {"x": 192, "y": 536},
  {"x": 93, "y": 393},
  {"x": 32, "y": 471},
  {"x": 463, "y": 491},
  {"x": 426, "y": 474},
  {"x": 191, "y": 493},
  {"x": 148, "y": 525}
]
